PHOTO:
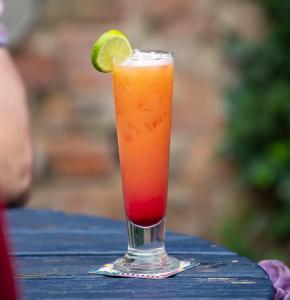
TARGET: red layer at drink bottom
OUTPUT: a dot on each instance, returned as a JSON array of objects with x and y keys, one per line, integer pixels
[{"x": 147, "y": 211}]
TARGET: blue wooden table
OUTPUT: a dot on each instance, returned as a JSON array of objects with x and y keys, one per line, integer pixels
[{"x": 55, "y": 251}]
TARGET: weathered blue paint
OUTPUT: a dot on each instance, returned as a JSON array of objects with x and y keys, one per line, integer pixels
[{"x": 55, "y": 250}]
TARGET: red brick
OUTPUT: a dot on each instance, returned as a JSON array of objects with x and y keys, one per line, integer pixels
[
  {"x": 79, "y": 195},
  {"x": 38, "y": 71},
  {"x": 57, "y": 112},
  {"x": 78, "y": 156},
  {"x": 197, "y": 104},
  {"x": 76, "y": 68},
  {"x": 96, "y": 10}
]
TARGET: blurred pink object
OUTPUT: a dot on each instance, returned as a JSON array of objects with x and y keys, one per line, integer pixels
[
  {"x": 7, "y": 283},
  {"x": 3, "y": 33},
  {"x": 279, "y": 274}
]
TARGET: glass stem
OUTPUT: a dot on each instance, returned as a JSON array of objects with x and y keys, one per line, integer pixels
[
  {"x": 146, "y": 240},
  {"x": 146, "y": 251}
]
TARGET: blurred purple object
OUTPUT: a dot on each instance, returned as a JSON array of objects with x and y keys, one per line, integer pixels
[
  {"x": 3, "y": 33},
  {"x": 279, "y": 274}
]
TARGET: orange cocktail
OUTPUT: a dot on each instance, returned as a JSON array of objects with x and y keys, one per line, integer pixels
[
  {"x": 142, "y": 82},
  {"x": 143, "y": 98}
]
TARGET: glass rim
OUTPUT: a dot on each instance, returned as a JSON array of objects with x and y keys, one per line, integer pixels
[
  {"x": 165, "y": 52},
  {"x": 166, "y": 55}
]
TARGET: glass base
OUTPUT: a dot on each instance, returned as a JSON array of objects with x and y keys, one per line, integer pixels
[{"x": 146, "y": 252}]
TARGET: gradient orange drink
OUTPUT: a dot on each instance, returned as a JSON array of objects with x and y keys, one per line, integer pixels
[{"x": 143, "y": 100}]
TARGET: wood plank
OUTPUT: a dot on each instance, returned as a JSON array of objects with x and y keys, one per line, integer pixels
[
  {"x": 89, "y": 287},
  {"x": 87, "y": 242},
  {"x": 56, "y": 232},
  {"x": 50, "y": 220},
  {"x": 210, "y": 266}
]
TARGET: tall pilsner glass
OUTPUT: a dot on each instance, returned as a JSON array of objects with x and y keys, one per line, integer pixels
[{"x": 143, "y": 101}]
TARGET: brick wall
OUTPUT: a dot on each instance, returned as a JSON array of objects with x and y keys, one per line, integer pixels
[{"x": 72, "y": 107}]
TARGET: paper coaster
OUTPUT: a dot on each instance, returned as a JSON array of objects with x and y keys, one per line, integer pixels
[{"x": 108, "y": 270}]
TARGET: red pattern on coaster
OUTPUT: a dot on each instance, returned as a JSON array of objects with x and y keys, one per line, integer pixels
[{"x": 108, "y": 270}]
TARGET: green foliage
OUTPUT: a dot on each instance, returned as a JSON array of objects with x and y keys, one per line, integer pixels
[{"x": 258, "y": 134}]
